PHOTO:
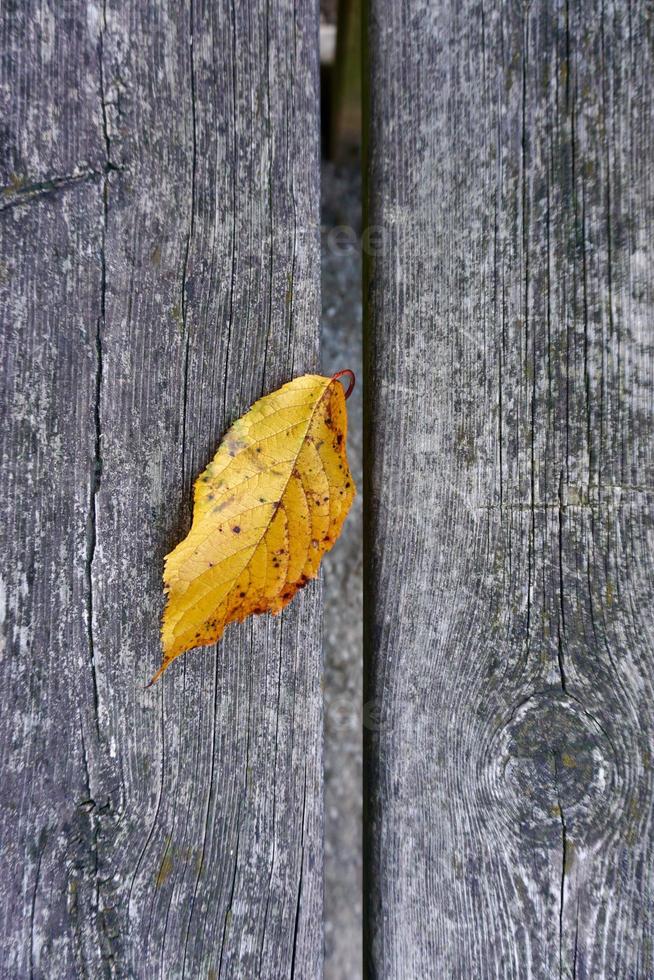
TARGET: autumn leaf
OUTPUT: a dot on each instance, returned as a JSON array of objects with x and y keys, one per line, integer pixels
[{"x": 266, "y": 509}]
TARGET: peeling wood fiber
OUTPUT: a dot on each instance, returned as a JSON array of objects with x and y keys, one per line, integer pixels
[
  {"x": 509, "y": 375},
  {"x": 159, "y": 271}
]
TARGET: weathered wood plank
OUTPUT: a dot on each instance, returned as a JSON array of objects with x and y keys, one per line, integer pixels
[
  {"x": 159, "y": 269},
  {"x": 510, "y": 625}
]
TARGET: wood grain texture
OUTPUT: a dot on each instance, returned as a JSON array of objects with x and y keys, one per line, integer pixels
[
  {"x": 509, "y": 372},
  {"x": 159, "y": 271}
]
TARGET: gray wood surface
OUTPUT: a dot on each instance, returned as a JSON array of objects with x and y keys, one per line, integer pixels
[
  {"x": 159, "y": 270},
  {"x": 509, "y": 371}
]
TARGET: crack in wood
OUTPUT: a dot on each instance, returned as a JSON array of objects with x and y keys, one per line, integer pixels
[{"x": 24, "y": 191}]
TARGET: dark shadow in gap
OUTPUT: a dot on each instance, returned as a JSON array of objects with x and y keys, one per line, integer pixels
[{"x": 341, "y": 346}]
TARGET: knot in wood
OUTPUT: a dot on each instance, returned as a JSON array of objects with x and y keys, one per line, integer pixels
[{"x": 553, "y": 762}]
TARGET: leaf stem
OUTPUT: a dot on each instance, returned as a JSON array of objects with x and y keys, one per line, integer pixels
[{"x": 350, "y": 387}]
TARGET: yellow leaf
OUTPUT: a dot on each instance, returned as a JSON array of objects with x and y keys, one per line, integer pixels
[{"x": 266, "y": 509}]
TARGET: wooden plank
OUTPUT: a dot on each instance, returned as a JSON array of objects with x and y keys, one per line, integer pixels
[
  {"x": 159, "y": 269},
  {"x": 509, "y": 360}
]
